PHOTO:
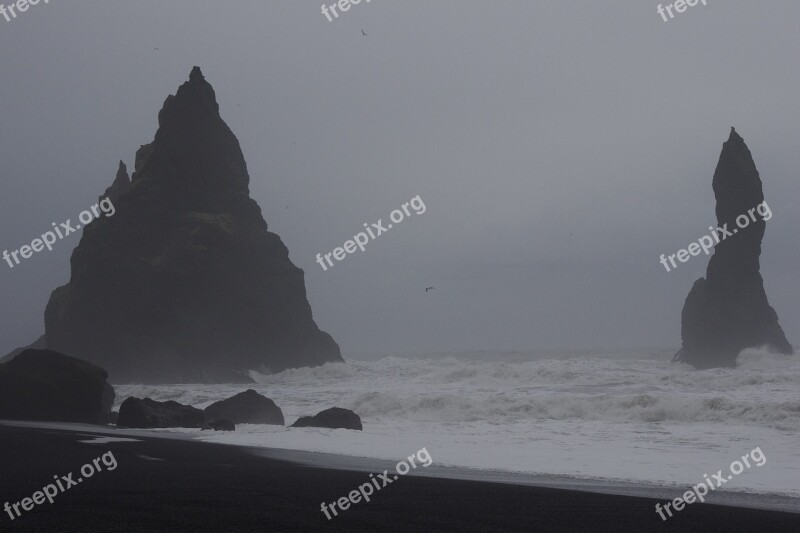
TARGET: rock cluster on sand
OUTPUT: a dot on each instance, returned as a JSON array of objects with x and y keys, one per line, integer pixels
[
  {"x": 50, "y": 386},
  {"x": 333, "y": 418},
  {"x": 247, "y": 407},
  {"x": 727, "y": 311},
  {"x": 184, "y": 283}
]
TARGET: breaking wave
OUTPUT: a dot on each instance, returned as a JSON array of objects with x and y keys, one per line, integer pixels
[{"x": 504, "y": 389}]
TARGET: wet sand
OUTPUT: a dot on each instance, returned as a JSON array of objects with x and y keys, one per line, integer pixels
[{"x": 183, "y": 485}]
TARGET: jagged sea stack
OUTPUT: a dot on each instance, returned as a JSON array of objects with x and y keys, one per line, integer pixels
[
  {"x": 184, "y": 283},
  {"x": 727, "y": 311}
]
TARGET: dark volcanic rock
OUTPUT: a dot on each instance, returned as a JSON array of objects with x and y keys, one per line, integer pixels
[
  {"x": 38, "y": 344},
  {"x": 220, "y": 425},
  {"x": 147, "y": 413},
  {"x": 333, "y": 418},
  {"x": 107, "y": 400},
  {"x": 47, "y": 385},
  {"x": 184, "y": 283},
  {"x": 121, "y": 185},
  {"x": 727, "y": 311},
  {"x": 248, "y": 407}
]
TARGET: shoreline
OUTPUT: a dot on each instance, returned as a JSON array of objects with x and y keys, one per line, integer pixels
[
  {"x": 351, "y": 463},
  {"x": 172, "y": 479},
  {"x": 611, "y": 487}
]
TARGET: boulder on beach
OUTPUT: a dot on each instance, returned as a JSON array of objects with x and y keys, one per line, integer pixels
[
  {"x": 247, "y": 407},
  {"x": 147, "y": 413},
  {"x": 47, "y": 385},
  {"x": 38, "y": 344},
  {"x": 333, "y": 418}
]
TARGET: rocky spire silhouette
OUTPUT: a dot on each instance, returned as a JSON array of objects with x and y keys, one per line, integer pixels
[
  {"x": 184, "y": 283},
  {"x": 120, "y": 185},
  {"x": 727, "y": 311}
]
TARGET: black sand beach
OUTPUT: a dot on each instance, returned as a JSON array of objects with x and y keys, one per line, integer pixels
[{"x": 198, "y": 486}]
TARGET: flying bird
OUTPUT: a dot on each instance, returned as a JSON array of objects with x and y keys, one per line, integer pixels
[
  {"x": 363, "y": 33},
  {"x": 155, "y": 49},
  {"x": 428, "y": 289}
]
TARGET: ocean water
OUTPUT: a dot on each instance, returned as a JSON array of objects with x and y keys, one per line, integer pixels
[{"x": 600, "y": 416}]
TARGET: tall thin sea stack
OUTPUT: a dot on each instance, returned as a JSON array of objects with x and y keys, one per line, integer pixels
[{"x": 727, "y": 311}]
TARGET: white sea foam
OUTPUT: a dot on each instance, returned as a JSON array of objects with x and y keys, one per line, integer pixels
[
  {"x": 615, "y": 416},
  {"x": 107, "y": 440}
]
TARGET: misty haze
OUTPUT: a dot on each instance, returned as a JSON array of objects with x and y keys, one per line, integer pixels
[{"x": 400, "y": 266}]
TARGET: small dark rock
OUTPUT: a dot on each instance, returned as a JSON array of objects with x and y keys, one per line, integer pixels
[
  {"x": 110, "y": 418},
  {"x": 220, "y": 425},
  {"x": 333, "y": 418},
  {"x": 248, "y": 407},
  {"x": 147, "y": 413}
]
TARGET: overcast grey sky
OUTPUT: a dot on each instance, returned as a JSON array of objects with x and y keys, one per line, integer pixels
[{"x": 560, "y": 148}]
